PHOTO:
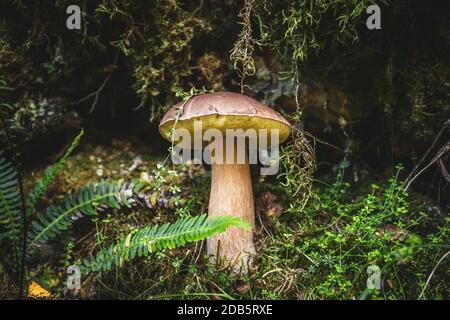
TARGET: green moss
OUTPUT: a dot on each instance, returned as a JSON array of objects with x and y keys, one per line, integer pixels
[{"x": 380, "y": 96}]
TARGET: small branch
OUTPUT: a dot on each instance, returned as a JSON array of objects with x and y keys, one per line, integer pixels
[
  {"x": 446, "y": 124},
  {"x": 444, "y": 171},
  {"x": 299, "y": 125},
  {"x": 438, "y": 158},
  {"x": 323, "y": 142},
  {"x": 431, "y": 274},
  {"x": 198, "y": 8},
  {"x": 97, "y": 92}
]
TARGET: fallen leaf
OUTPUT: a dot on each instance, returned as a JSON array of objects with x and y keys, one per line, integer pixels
[{"x": 35, "y": 291}]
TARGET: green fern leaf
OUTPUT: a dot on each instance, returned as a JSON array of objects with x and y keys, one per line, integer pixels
[
  {"x": 87, "y": 202},
  {"x": 147, "y": 240},
  {"x": 36, "y": 194},
  {"x": 10, "y": 206}
]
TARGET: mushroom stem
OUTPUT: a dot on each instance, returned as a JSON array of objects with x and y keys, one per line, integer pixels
[{"x": 231, "y": 193}]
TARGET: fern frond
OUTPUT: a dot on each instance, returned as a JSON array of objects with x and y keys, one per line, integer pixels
[
  {"x": 10, "y": 205},
  {"x": 145, "y": 241},
  {"x": 86, "y": 202},
  {"x": 38, "y": 191}
]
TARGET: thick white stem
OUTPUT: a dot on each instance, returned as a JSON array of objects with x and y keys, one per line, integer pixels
[{"x": 232, "y": 194}]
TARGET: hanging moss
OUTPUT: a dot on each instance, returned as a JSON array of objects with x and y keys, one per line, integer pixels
[{"x": 391, "y": 83}]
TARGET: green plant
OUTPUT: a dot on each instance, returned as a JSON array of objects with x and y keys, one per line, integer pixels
[
  {"x": 242, "y": 53},
  {"x": 10, "y": 209},
  {"x": 89, "y": 202},
  {"x": 38, "y": 191},
  {"x": 86, "y": 202},
  {"x": 185, "y": 96},
  {"x": 145, "y": 241},
  {"x": 11, "y": 225},
  {"x": 327, "y": 246}
]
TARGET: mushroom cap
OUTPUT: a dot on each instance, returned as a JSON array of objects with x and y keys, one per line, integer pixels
[{"x": 223, "y": 110}]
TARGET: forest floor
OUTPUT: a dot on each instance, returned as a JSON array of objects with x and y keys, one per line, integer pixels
[{"x": 322, "y": 251}]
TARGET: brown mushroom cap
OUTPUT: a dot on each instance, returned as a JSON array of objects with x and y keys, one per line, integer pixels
[{"x": 224, "y": 110}]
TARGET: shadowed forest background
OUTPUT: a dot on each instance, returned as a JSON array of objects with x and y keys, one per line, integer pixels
[{"x": 370, "y": 108}]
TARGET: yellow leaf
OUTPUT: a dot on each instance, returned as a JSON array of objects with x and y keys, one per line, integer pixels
[
  {"x": 128, "y": 240},
  {"x": 154, "y": 199},
  {"x": 35, "y": 291},
  {"x": 149, "y": 246}
]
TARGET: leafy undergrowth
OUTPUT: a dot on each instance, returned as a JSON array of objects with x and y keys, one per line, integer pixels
[
  {"x": 320, "y": 252},
  {"x": 325, "y": 251}
]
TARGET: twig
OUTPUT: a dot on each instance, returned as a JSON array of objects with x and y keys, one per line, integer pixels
[
  {"x": 438, "y": 157},
  {"x": 96, "y": 93},
  {"x": 446, "y": 124},
  {"x": 87, "y": 235},
  {"x": 263, "y": 226},
  {"x": 432, "y": 273},
  {"x": 309, "y": 134},
  {"x": 445, "y": 173},
  {"x": 198, "y": 8},
  {"x": 200, "y": 250}
]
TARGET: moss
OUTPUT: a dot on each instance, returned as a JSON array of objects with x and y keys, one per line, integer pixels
[{"x": 379, "y": 96}]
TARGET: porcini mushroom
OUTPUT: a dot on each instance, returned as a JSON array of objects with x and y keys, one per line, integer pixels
[{"x": 231, "y": 187}]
